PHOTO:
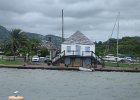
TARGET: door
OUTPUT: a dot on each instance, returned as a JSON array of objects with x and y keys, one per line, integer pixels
[{"x": 78, "y": 50}]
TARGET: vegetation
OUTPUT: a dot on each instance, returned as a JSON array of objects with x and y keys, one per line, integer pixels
[
  {"x": 128, "y": 46},
  {"x": 44, "y": 51},
  {"x": 11, "y": 62},
  {"x": 124, "y": 65},
  {"x": 18, "y": 43},
  {"x": 4, "y": 34},
  {"x": 35, "y": 45},
  {"x": 54, "y": 39},
  {"x": 17, "y": 40}
]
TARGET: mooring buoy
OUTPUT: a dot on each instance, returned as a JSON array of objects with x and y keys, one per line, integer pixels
[{"x": 16, "y": 97}]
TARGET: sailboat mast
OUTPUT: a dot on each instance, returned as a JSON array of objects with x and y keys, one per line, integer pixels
[
  {"x": 118, "y": 33},
  {"x": 62, "y": 26}
]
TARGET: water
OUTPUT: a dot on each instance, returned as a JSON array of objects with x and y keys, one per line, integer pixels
[{"x": 69, "y": 85}]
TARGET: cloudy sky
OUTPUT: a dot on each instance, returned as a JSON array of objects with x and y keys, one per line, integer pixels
[{"x": 94, "y": 18}]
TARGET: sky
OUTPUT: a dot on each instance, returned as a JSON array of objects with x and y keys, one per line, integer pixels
[{"x": 94, "y": 18}]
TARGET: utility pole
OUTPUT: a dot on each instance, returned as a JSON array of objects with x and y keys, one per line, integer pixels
[{"x": 62, "y": 26}]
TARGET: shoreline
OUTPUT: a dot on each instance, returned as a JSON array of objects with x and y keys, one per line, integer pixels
[{"x": 46, "y": 67}]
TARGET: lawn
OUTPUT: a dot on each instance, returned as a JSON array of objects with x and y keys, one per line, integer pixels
[
  {"x": 11, "y": 62},
  {"x": 126, "y": 65}
]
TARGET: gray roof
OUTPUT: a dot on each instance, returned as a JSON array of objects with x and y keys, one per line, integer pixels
[{"x": 78, "y": 38}]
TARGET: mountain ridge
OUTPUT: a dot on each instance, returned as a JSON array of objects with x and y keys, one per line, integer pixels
[{"x": 56, "y": 40}]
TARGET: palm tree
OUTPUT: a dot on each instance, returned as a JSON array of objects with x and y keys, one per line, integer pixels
[
  {"x": 31, "y": 47},
  {"x": 17, "y": 40},
  {"x": 7, "y": 48},
  {"x": 35, "y": 44}
]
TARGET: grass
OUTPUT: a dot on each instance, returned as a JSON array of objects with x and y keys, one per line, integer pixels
[
  {"x": 11, "y": 62},
  {"x": 125, "y": 65}
]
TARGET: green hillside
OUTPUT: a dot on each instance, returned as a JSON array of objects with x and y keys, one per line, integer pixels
[
  {"x": 3, "y": 33},
  {"x": 54, "y": 39},
  {"x": 34, "y": 35}
]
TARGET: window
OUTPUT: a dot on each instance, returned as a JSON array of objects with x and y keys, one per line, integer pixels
[
  {"x": 68, "y": 48},
  {"x": 87, "y": 48}
]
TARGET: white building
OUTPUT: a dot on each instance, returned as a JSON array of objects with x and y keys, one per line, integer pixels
[
  {"x": 76, "y": 51},
  {"x": 78, "y": 44}
]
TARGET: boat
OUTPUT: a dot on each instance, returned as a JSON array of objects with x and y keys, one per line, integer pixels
[
  {"x": 111, "y": 57},
  {"x": 86, "y": 69}
]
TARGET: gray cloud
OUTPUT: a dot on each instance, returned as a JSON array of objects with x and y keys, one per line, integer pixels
[{"x": 95, "y": 18}]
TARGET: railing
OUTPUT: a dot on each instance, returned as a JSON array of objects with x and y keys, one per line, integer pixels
[
  {"x": 99, "y": 59},
  {"x": 77, "y": 53},
  {"x": 58, "y": 56},
  {"x": 82, "y": 54},
  {"x": 86, "y": 53}
]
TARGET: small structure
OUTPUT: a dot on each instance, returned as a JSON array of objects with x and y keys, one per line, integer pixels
[{"x": 77, "y": 51}]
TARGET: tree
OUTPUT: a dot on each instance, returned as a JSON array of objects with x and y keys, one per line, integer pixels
[
  {"x": 44, "y": 51},
  {"x": 25, "y": 50},
  {"x": 127, "y": 46},
  {"x": 17, "y": 39},
  {"x": 35, "y": 45},
  {"x": 6, "y": 48}
]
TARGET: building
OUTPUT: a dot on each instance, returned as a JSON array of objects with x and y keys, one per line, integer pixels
[
  {"x": 77, "y": 51},
  {"x": 78, "y": 43}
]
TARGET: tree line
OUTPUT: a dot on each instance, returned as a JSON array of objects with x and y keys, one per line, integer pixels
[
  {"x": 18, "y": 43},
  {"x": 128, "y": 46}
]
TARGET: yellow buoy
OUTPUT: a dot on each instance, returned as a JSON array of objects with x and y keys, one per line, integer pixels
[{"x": 15, "y": 98}]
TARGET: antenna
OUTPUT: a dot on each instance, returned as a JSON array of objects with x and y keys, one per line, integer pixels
[{"x": 62, "y": 26}]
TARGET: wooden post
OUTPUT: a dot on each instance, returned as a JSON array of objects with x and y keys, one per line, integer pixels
[
  {"x": 91, "y": 59},
  {"x": 96, "y": 63},
  {"x": 82, "y": 58},
  {"x": 73, "y": 58}
]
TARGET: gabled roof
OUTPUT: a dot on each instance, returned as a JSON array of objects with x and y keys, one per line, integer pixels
[{"x": 78, "y": 38}]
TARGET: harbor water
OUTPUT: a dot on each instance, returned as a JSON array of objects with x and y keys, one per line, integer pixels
[{"x": 69, "y": 85}]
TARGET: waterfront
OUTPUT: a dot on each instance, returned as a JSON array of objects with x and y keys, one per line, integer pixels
[{"x": 69, "y": 85}]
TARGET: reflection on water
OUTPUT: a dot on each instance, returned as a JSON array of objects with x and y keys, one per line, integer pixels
[{"x": 69, "y": 85}]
